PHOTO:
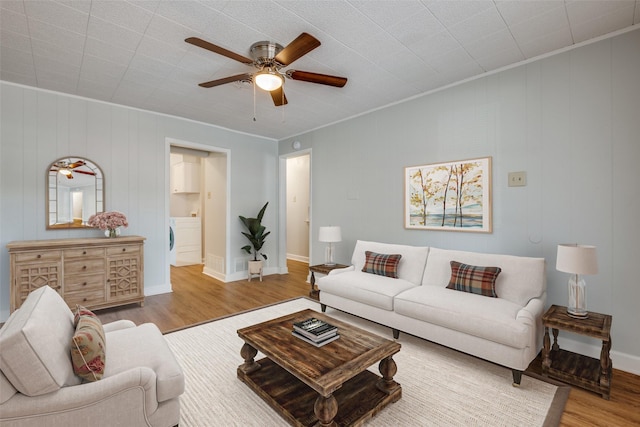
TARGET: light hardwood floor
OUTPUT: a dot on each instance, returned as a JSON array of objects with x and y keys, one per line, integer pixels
[{"x": 197, "y": 298}]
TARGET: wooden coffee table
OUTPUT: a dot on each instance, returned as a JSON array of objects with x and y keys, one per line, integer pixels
[{"x": 327, "y": 386}]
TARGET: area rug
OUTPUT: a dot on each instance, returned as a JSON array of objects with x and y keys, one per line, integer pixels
[{"x": 440, "y": 386}]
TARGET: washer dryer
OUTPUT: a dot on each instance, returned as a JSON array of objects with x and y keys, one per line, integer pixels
[{"x": 172, "y": 241}]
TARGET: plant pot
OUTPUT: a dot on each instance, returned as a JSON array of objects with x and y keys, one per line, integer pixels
[{"x": 255, "y": 268}]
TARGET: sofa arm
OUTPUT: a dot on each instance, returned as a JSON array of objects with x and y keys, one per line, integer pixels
[
  {"x": 531, "y": 313},
  {"x": 96, "y": 394},
  {"x": 341, "y": 270},
  {"x": 117, "y": 325}
]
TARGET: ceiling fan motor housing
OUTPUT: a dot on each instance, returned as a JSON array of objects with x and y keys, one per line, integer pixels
[{"x": 263, "y": 52}]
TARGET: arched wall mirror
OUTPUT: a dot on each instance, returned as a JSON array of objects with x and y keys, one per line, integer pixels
[{"x": 75, "y": 191}]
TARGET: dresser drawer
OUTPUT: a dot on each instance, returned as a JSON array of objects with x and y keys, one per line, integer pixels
[
  {"x": 123, "y": 250},
  {"x": 91, "y": 265},
  {"x": 84, "y": 282},
  {"x": 84, "y": 253},
  {"x": 38, "y": 256},
  {"x": 86, "y": 298}
]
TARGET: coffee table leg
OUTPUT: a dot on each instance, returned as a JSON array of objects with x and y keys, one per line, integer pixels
[
  {"x": 388, "y": 369},
  {"x": 326, "y": 409},
  {"x": 248, "y": 353}
]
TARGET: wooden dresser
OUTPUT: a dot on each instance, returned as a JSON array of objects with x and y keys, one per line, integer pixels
[{"x": 94, "y": 272}]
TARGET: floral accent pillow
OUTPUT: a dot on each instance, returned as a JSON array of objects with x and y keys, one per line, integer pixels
[
  {"x": 381, "y": 264},
  {"x": 88, "y": 351},
  {"x": 473, "y": 279}
]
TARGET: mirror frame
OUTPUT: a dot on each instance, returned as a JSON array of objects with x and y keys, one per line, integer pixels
[{"x": 51, "y": 174}]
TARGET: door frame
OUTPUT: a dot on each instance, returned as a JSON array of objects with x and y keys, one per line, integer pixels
[
  {"x": 167, "y": 206},
  {"x": 282, "y": 207}
]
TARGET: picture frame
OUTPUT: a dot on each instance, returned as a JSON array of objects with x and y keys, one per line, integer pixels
[{"x": 449, "y": 196}]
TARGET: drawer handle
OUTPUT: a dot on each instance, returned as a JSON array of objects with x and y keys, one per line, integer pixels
[
  {"x": 84, "y": 252},
  {"x": 84, "y": 267},
  {"x": 39, "y": 256},
  {"x": 84, "y": 299},
  {"x": 124, "y": 249},
  {"x": 84, "y": 284}
]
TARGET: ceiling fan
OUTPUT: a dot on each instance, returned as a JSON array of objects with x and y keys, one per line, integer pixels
[
  {"x": 66, "y": 168},
  {"x": 270, "y": 58}
]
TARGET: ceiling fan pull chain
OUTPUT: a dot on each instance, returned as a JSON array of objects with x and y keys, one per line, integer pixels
[
  {"x": 254, "y": 99},
  {"x": 283, "y": 104}
]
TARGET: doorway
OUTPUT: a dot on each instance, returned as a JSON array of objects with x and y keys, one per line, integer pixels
[
  {"x": 295, "y": 203},
  {"x": 197, "y": 207}
]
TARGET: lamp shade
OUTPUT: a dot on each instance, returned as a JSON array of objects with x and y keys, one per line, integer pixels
[
  {"x": 330, "y": 234},
  {"x": 577, "y": 259}
]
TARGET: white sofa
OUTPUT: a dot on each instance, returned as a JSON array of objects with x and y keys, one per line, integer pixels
[
  {"x": 142, "y": 381},
  {"x": 506, "y": 330}
]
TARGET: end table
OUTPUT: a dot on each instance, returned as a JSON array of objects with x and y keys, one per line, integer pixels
[
  {"x": 582, "y": 371},
  {"x": 321, "y": 269}
]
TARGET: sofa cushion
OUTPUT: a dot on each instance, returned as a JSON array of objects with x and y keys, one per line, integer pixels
[
  {"x": 381, "y": 264},
  {"x": 370, "y": 289},
  {"x": 493, "y": 319},
  {"x": 410, "y": 267},
  {"x": 35, "y": 344},
  {"x": 145, "y": 346},
  {"x": 521, "y": 279},
  {"x": 88, "y": 346},
  {"x": 473, "y": 279}
]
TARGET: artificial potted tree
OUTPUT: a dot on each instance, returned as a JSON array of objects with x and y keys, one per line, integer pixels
[{"x": 256, "y": 235}]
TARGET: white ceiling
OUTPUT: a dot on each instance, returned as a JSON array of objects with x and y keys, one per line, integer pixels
[{"x": 133, "y": 52}]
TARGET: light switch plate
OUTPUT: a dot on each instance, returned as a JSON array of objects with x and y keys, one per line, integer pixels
[{"x": 517, "y": 179}]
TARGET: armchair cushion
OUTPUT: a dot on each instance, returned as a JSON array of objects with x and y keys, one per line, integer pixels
[
  {"x": 144, "y": 346},
  {"x": 7, "y": 390},
  {"x": 35, "y": 344}
]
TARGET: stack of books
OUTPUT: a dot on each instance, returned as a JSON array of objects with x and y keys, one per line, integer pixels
[{"x": 315, "y": 331}]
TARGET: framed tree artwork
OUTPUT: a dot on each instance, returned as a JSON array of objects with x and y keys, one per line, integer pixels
[{"x": 451, "y": 196}]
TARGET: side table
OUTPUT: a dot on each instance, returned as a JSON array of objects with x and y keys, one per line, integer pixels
[
  {"x": 321, "y": 269},
  {"x": 582, "y": 371}
]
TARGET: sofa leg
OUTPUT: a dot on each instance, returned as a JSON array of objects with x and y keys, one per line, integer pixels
[
  {"x": 517, "y": 377},
  {"x": 396, "y": 334},
  {"x": 323, "y": 307}
]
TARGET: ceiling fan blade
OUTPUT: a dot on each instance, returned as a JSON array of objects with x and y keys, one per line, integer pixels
[
  {"x": 84, "y": 172},
  {"x": 76, "y": 164},
  {"x": 219, "y": 50},
  {"x": 230, "y": 79},
  {"x": 302, "y": 45},
  {"x": 278, "y": 97},
  {"x": 322, "y": 79}
]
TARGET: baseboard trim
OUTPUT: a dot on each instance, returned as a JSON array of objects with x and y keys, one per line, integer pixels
[
  {"x": 300, "y": 258},
  {"x": 623, "y": 361},
  {"x": 157, "y": 289},
  {"x": 215, "y": 274}
]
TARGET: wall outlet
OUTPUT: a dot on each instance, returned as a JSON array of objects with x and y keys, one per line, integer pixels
[{"x": 517, "y": 179}]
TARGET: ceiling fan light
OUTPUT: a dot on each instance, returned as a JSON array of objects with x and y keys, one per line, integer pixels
[
  {"x": 268, "y": 80},
  {"x": 65, "y": 171}
]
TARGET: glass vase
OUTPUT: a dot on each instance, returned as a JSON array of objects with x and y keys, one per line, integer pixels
[{"x": 112, "y": 232}]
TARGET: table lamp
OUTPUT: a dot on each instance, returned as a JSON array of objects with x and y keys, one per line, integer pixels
[
  {"x": 331, "y": 235},
  {"x": 577, "y": 259}
]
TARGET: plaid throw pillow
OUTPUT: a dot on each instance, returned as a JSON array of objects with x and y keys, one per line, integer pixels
[
  {"x": 381, "y": 264},
  {"x": 472, "y": 279}
]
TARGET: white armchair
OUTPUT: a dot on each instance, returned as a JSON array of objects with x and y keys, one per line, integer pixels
[{"x": 142, "y": 381}]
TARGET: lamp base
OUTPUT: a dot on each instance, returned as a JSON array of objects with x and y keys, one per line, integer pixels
[
  {"x": 577, "y": 315},
  {"x": 577, "y": 307}
]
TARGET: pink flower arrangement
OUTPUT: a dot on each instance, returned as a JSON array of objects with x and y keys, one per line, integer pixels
[{"x": 108, "y": 220}]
